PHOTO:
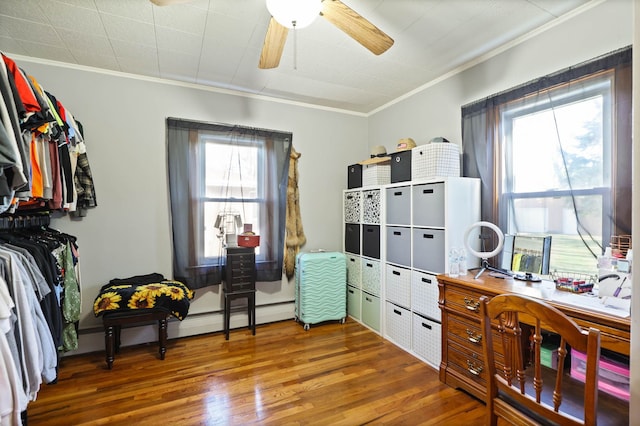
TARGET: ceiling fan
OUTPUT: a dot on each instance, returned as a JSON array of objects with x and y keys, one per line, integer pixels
[
  {"x": 284, "y": 16},
  {"x": 334, "y": 11}
]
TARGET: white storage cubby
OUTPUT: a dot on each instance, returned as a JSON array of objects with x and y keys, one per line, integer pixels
[
  {"x": 398, "y": 325},
  {"x": 426, "y": 340},
  {"x": 419, "y": 222}
]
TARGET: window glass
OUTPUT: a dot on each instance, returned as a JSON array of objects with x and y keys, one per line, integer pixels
[
  {"x": 232, "y": 191},
  {"x": 556, "y": 170}
]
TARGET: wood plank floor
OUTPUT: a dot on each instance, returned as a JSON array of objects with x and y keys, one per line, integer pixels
[{"x": 333, "y": 374}]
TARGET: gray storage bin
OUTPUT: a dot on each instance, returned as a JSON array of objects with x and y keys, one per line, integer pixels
[
  {"x": 371, "y": 241},
  {"x": 428, "y": 205},
  {"x": 399, "y": 205},
  {"x": 428, "y": 250},
  {"x": 399, "y": 245},
  {"x": 352, "y": 238}
]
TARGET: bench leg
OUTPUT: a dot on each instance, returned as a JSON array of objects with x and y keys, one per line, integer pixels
[
  {"x": 117, "y": 333},
  {"x": 162, "y": 337},
  {"x": 109, "y": 345}
]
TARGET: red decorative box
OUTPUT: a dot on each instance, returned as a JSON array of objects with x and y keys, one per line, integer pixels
[{"x": 248, "y": 240}]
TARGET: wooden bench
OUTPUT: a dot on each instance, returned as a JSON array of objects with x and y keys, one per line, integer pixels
[{"x": 114, "y": 321}]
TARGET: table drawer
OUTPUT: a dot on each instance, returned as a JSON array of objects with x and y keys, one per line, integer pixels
[
  {"x": 470, "y": 334},
  {"x": 464, "y": 332},
  {"x": 463, "y": 301},
  {"x": 467, "y": 362}
]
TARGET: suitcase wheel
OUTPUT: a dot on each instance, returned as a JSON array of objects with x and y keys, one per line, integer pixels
[{"x": 306, "y": 327}]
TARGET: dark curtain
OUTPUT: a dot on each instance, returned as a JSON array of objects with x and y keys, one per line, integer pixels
[
  {"x": 480, "y": 134},
  {"x": 185, "y": 173}
]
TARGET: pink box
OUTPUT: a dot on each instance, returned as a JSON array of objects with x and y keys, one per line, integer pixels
[{"x": 613, "y": 376}]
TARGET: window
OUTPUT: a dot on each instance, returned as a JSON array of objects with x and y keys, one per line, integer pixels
[
  {"x": 233, "y": 185},
  {"x": 556, "y": 169},
  {"x": 227, "y": 171},
  {"x": 554, "y": 158}
]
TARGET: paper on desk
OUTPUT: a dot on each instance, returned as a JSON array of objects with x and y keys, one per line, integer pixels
[{"x": 608, "y": 305}]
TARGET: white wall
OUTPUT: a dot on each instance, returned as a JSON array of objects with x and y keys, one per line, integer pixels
[
  {"x": 435, "y": 111},
  {"x": 129, "y": 232}
]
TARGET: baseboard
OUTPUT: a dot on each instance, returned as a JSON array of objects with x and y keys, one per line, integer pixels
[{"x": 92, "y": 340}]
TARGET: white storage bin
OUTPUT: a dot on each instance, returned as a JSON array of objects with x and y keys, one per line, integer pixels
[
  {"x": 371, "y": 206},
  {"x": 435, "y": 159},
  {"x": 398, "y": 285},
  {"x": 398, "y": 325},
  {"x": 354, "y": 302},
  {"x": 371, "y": 276},
  {"x": 424, "y": 295},
  {"x": 371, "y": 311},
  {"x": 352, "y": 206},
  {"x": 354, "y": 272},
  {"x": 376, "y": 174},
  {"x": 427, "y": 340}
]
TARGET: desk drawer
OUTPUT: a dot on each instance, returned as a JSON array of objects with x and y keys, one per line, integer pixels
[
  {"x": 469, "y": 334},
  {"x": 467, "y": 362},
  {"x": 466, "y": 301}
]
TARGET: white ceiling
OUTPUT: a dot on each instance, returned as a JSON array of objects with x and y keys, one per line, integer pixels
[{"x": 218, "y": 43}]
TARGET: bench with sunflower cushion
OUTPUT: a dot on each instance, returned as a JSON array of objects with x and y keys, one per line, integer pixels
[{"x": 138, "y": 300}]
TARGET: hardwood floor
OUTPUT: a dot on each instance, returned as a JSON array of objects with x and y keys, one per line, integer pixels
[{"x": 337, "y": 374}]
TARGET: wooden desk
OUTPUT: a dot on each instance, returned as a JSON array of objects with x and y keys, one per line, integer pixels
[{"x": 462, "y": 360}]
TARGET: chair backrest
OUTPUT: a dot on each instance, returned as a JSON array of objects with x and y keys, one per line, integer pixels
[{"x": 519, "y": 388}]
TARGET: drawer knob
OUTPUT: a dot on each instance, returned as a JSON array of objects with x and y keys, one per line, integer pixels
[
  {"x": 474, "y": 368},
  {"x": 471, "y": 304},
  {"x": 474, "y": 338}
]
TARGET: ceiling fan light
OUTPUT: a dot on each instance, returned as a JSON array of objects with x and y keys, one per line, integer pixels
[{"x": 294, "y": 13}]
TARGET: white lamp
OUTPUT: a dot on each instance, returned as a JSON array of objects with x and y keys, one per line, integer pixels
[{"x": 294, "y": 13}]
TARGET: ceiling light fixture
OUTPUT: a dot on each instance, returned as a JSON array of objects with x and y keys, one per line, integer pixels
[{"x": 294, "y": 13}]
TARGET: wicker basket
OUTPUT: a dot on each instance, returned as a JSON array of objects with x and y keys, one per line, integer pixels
[{"x": 575, "y": 282}]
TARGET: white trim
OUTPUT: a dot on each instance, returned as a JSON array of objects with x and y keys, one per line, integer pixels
[
  {"x": 561, "y": 19},
  {"x": 183, "y": 84}
]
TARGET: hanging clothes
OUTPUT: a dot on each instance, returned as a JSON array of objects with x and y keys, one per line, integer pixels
[
  {"x": 39, "y": 310},
  {"x": 41, "y": 148}
]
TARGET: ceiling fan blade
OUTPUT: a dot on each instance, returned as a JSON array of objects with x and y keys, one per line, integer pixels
[
  {"x": 273, "y": 45},
  {"x": 356, "y": 27}
]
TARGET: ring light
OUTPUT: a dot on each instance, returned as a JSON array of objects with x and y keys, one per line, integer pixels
[
  {"x": 485, "y": 255},
  {"x": 481, "y": 254}
]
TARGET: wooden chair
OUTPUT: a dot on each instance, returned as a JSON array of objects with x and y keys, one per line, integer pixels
[{"x": 520, "y": 390}]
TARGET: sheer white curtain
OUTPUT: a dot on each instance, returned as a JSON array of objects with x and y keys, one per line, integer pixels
[{"x": 186, "y": 174}]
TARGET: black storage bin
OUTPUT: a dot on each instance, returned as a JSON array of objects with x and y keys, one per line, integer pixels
[
  {"x": 352, "y": 238},
  {"x": 371, "y": 241},
  {"x": 354, "y": 176},
  {"x": 401, "y": 166}
]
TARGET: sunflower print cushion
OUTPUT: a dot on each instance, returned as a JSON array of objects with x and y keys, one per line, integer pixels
[{"x": 167, "y": 295}]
